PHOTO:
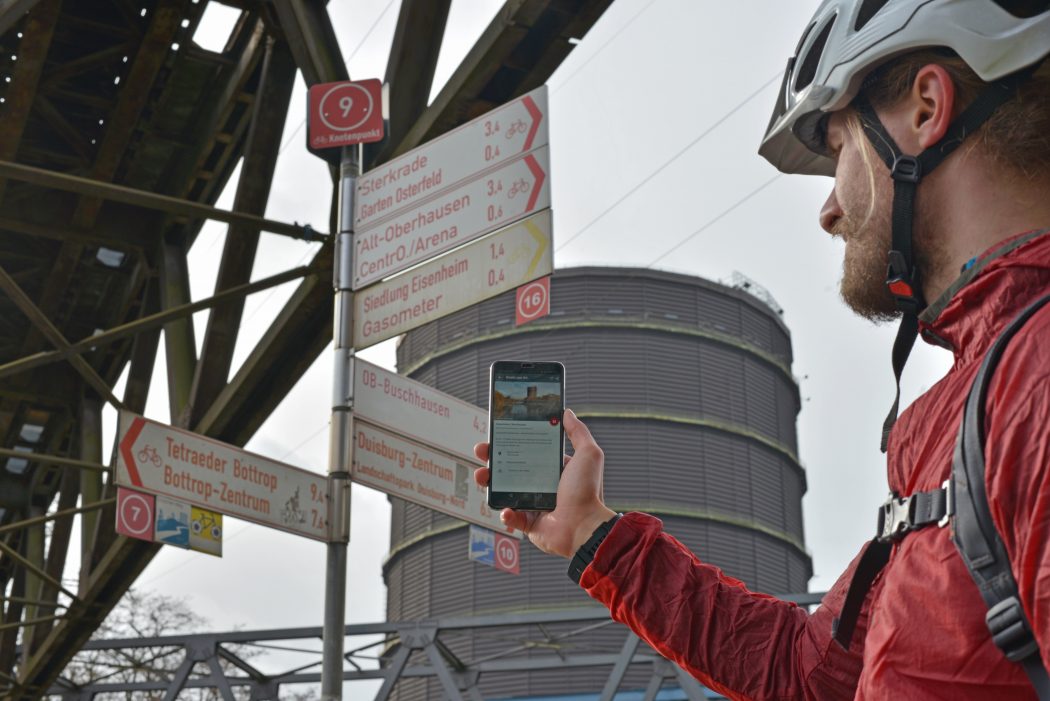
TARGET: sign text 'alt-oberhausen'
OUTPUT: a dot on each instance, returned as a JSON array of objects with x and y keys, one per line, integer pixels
[
  {"x": 163, "y": 460},
  {"x": 482, "y": 269},
  {"x": 457, "y": 216},
  {"x": 471, "y": 181}
]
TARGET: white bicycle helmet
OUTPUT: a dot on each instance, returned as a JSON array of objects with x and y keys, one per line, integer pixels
[{"x": 847, "y": 39}]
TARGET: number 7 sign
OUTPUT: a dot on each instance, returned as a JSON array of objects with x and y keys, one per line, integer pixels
[{"x": 135, "y": 514}]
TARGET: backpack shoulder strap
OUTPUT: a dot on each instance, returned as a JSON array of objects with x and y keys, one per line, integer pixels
[{"x": 974, "y": 532}]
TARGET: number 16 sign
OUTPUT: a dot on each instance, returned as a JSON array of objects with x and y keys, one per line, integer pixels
[{"x": 345, "y": 113}]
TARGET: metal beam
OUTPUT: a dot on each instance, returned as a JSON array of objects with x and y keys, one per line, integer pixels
[
  {"x": 238, "y": 256},
  {"x": 525, "y": 42},
  {"x": 89, "y": 237},
  {"x": 151, "y": 322},
  {"x": 40, "y": 320},
  {"x": 179, "y": 345},
  {"x": 36, "y": 575},
  {"x": 46, "y": 459},
  {"x": 230, "y": 83},
  {"x": 11, "y": 11},
  {"x": 58, "y": 545},
  {"x": 308, "y": 30},
  {"x": 302, "y": 329},
  {"x": 164, "y": 21},
  {"x": 36, "y": 570},
  {"x": 120, "y": 566},
  {"x": 90, "y": 446},
  {"x": 413, "y": 60},
  {"x": 36, "y": 41},
  {"x": 70, "y": 134},
  {"x": 54, "y": 515},
  {"x": 141, "y": 198}
]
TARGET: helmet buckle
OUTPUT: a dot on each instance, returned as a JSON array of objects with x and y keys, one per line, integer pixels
[{"x": 906, "y": 169}]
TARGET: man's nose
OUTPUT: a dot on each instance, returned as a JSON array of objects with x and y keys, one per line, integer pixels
[{"x": 830, "y": 213}]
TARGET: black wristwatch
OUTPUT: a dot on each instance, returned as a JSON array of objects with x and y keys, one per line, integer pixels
[{"x": 586, "y": 553}]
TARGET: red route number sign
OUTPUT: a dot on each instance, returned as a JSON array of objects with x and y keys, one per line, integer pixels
[
  {"x": 135, "y": 514},
  {"x": 345, "y": 113},
  {"x": 508, "y": 557},
  {"x": 533, "y": 301}
]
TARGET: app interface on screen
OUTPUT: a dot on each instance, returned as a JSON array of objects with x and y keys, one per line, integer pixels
[{"x": 526, "y": 434}]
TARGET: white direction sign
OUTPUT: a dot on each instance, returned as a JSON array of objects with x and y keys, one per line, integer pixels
[
  {"x": 418, "y": 411},
  {"x": 401, "y": 468},
  {"x": 461, "y": 154},
  {"x": 512, "y": 191},
  {"x": 487, "y": 267},
  {"x": 168, "y": 461}
]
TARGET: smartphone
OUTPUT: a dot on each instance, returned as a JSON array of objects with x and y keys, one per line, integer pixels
[{"x": 526, "y": 436}]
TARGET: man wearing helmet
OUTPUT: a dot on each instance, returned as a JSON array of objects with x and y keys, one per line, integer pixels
[{"x": 934, "y": 118}]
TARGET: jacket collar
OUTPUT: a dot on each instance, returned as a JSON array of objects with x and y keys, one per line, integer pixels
[{"x": 998, "y": 285}]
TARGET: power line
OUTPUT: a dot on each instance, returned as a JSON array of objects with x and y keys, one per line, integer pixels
[
  {"x": 304, "y": 442},
  {"x": 602, "y": 47},
  {"x": 711, "y": 223},
  {"x": 673, "y": 158},
  {"x": 345, "y": 60}
]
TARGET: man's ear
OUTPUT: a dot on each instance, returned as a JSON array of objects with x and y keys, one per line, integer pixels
[{"x": 932, "y": 100}]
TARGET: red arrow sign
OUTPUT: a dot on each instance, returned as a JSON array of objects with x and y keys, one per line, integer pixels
[
  {"x": 126, "y": 445},
  {"x": 537, "y": 117},
  {"x": 537, "y": 172}
]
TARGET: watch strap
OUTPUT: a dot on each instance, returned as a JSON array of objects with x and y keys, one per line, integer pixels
[{"x": 587, "y": 551}]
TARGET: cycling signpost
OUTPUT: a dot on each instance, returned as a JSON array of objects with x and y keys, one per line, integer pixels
[{"x": 167, "y": 462}]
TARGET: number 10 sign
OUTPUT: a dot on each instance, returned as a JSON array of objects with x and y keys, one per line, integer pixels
[{"x": 345, "y": 113}]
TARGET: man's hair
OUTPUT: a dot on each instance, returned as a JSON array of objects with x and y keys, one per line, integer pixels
[{"x": 1017, "y": 135}]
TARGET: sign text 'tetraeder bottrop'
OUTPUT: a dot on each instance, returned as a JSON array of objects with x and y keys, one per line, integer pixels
[{"x": 198, "y": 470}]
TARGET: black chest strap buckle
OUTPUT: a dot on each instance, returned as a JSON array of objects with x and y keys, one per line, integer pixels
[{"x": 898, "y": 516}]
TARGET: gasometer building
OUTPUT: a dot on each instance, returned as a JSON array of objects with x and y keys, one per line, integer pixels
[{"x": 686, "y": 385}]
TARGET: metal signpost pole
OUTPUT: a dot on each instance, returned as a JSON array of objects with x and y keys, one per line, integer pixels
[{"x": 341, "y": 436}]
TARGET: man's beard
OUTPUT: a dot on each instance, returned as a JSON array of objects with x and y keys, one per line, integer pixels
[{"x": 863, "y": 286}]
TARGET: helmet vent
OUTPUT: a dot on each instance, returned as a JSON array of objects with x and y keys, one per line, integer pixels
[
  {"x": 1024, "y": 9},
  {"x": 808, "y": 67},
  {"x": 868, "y": 9}
]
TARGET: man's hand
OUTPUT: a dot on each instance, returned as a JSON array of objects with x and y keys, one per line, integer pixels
[{"x": 580, "y": 508}]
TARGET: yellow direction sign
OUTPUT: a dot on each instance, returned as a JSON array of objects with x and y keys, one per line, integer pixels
[{"x": 485, "y": 268}]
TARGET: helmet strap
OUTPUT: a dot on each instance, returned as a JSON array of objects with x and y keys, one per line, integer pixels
[{"x": 902, "y": 275}]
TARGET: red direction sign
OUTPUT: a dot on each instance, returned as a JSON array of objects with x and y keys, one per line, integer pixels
[
  {"x": 465, "y": 153},
  {"x": 508, "y": 554},
  {"x": 533, "y": 301},
  {"x": 510, "y": 192},
  {"x": 345, "y": 113},
  {"x": 135, "y": 514},
  {"x": 199, "y": 471}
]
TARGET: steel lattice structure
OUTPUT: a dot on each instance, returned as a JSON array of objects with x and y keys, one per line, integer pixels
[
  {"x": 104, "y": 184},
  {"x": 411, "y": 650}
]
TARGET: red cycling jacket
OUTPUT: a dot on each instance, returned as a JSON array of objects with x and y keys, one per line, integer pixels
[{"x": 921, "y": 634}]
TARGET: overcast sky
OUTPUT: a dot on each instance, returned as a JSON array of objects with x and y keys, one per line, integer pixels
[{"x": 655, "y": 121}]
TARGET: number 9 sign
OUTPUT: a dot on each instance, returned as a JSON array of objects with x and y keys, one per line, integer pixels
[{"x": 345, "y": 113}]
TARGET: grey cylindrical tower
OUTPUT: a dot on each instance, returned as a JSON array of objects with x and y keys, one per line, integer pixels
[{"x": 686, "y": 385}]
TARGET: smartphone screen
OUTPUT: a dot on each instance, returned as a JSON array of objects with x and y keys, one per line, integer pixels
[{"x": 526, "y": 436}]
